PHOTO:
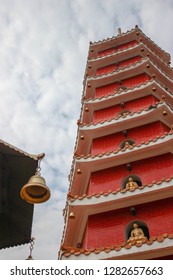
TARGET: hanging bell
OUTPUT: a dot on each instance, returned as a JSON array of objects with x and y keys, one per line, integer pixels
[
  {"x": 35, "y": 191},
  {"x": 72, "y": 215},
  {"x": 164, "y": 113}
]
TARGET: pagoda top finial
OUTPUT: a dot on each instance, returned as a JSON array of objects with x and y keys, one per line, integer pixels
[{"x": 119, "y": 31}]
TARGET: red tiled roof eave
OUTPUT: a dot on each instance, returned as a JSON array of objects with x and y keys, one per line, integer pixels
[
  {"x": 117, "y": 247},
  {"x": 129, "y": 66},
  {"x": 118, "y": 92},
  {"x": 136, "y": 29},
  {"x": 124, "y": 116},
  {"x": 115, "y": 192},
  {"x": 124, "y": 149}
]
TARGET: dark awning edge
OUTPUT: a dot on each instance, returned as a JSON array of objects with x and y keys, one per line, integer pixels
[
  {"x": 15, "y": 244},
  {"x": 35, "y": 157}
]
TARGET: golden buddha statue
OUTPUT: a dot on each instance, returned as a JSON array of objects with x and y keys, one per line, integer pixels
[
  {"x": 136, "y": 234},
  {"x": 131, "y": 185},
  {"x": 127, "y": 145}
]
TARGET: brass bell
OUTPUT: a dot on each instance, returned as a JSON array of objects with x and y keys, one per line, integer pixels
[
  {"x": 35, "y": 191},
  {"x": 72, "y": 216}
]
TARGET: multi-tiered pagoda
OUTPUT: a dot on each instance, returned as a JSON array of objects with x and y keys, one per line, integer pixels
[{"x": 120, "y": 199}]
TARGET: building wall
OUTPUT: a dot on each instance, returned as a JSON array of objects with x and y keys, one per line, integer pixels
[
  {"x": 132, "y": 106},
  {"x": 139, "y": 134},
  {"x": 149, "y": 170},
  {"x": 113, "y": 67},
  {"x": 129, "y": 83},
  {"x": 109, "y": 228},
  {"x": 117, "y": 48}
]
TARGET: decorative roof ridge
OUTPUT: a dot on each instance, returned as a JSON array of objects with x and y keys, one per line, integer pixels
[
  {"x": 120, "y": 68},
  {"x": 125, "y": 115},
  {"x": 35, "y": 157},
  {"x": 89, "y": 156},
  {"x": 116, "y": 52},
  {"x": 129, "y": 67},
  {"x": 118, "y": 91},
  {"x": 154, "y": 54},
  {"x": 162, "y": 71},
  {"x": 140, "y": 44},
  {"x": 148, "y": 38},
  {"x": 127, "y": 32},
  {"x": 126, "y": 90},
  {"x": 112, "y": 38},
  {"x": 117, "y": 247}
]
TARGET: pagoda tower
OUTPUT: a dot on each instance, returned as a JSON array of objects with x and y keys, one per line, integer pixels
[{"x": 120, "y": 199}]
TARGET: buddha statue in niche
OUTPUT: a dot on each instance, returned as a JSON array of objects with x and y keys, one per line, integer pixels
[
  {"x": 136, "y": 234},
  {"x": 131, "y": 185},
  {"x": 127, "y": 145}
]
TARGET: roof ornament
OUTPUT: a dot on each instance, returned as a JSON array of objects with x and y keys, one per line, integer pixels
[
  {"x": 72, "y": 216},
  {"x": 119, "y": 31}
]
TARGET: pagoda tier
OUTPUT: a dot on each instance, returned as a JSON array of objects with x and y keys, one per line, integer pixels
[
  {"x": 124, "y": 40},
  {"x": 152, "y": 87},
  {"x": 126, "y": 77},
  {"x": 121, "y": 172}
]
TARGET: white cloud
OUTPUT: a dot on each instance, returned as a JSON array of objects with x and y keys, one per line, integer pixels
[{"x": 43, "y": 52}]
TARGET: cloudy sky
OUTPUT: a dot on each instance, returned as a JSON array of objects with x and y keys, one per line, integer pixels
[{"x": 43, "y": 51}]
